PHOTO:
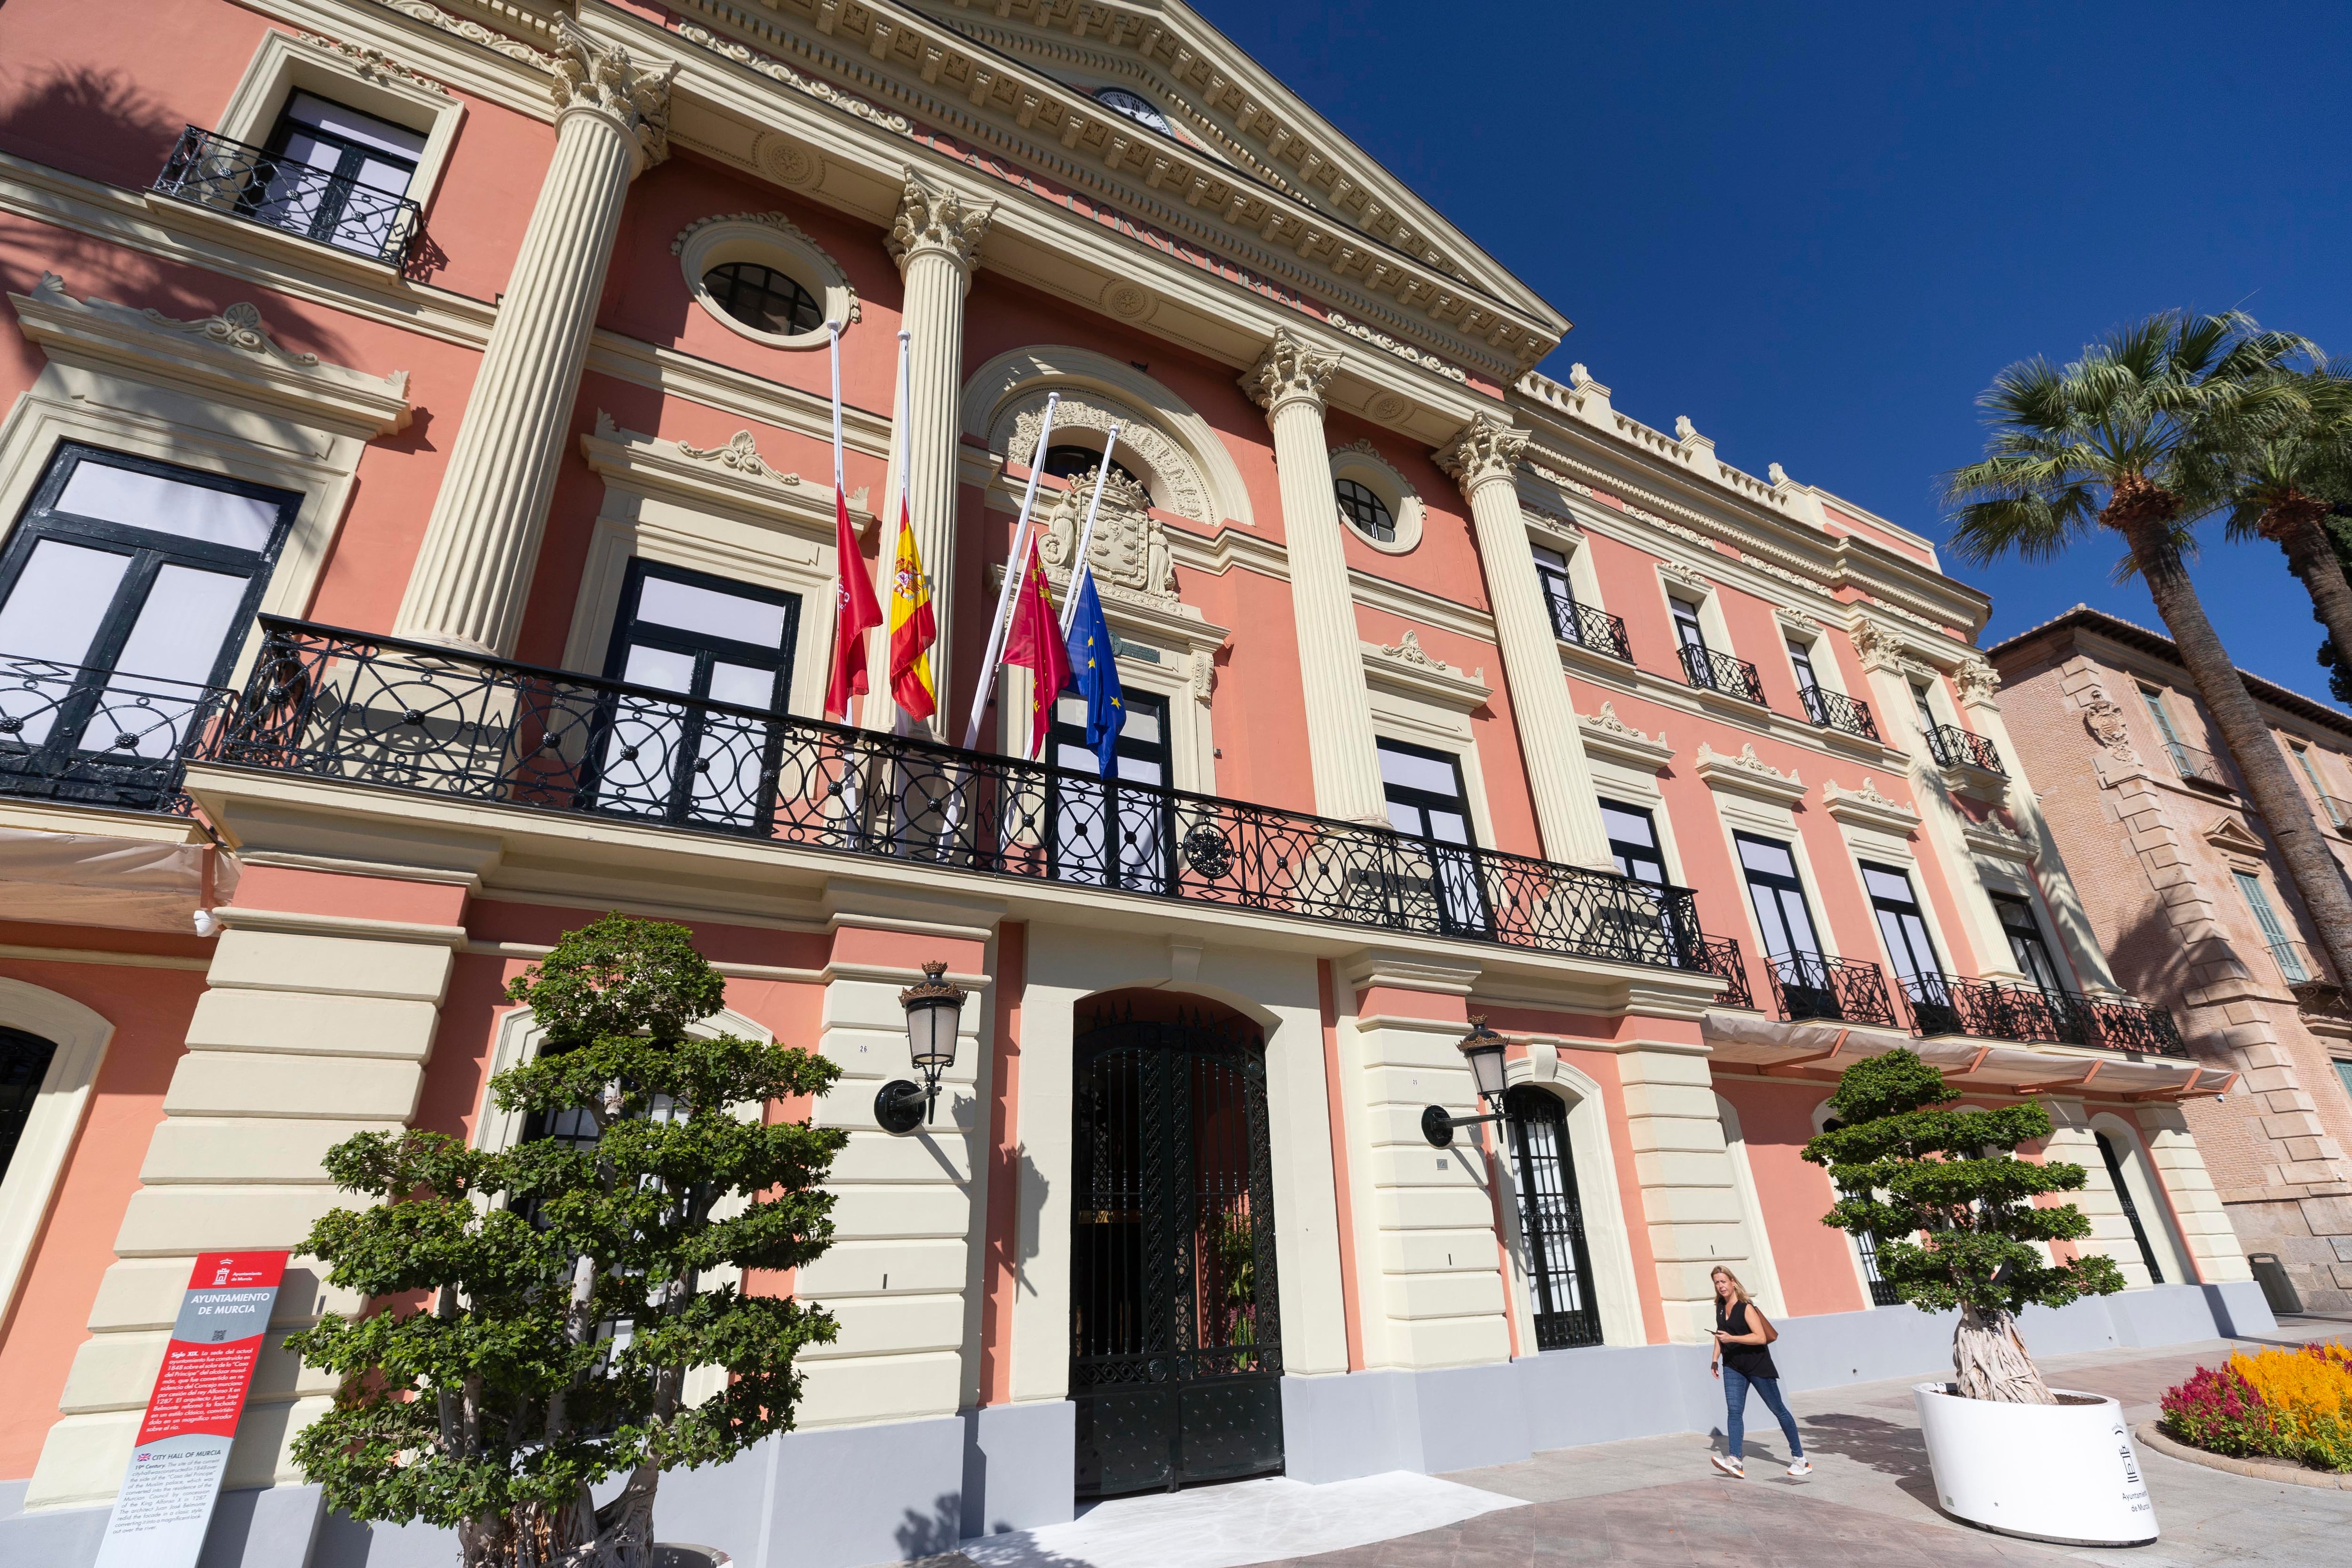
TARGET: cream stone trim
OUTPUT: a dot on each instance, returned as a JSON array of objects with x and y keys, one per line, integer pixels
[
  {"x": 1608, "y": 1243},
  {"x": 1401, "y": 713},
  {"x": 81, "y": 1036},
  {"x": 359, "y": 76},
  {"x": 1360, "y": 460},
  {"x": 517, "y": 1040},
  {"x": 1866, "y": 808},
  {"x": 1765, "y": 1286},
  {"x": 2155, "y": 1216},
  {"x": 1409, "y": 669},
  {"x": 1747, "y": 774},
  {"x": 773, "y": 240},
  {"x": 1991, "y": 839},
  {"x": 1607, "y": 735},
  {"x": 736, "y": 394}
]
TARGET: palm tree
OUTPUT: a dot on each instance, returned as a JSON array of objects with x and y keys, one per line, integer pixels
[{"x": 2117, "y": 440}]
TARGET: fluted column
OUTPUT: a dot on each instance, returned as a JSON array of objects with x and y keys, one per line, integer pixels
[
  {"x": 467, "y": 587},
  {"x": 936, "y": 240},
  {"x": 1482, "y": 458},
  {"x": 1287, "y": 382}
]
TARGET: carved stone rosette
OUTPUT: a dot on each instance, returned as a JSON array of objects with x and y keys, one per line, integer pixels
[
  {"x": 939, "y": 222},
  {"x": 1288, "y": 372},
  {"x": 594, "y": 77},
  {"x": 1483, "y": 450}
]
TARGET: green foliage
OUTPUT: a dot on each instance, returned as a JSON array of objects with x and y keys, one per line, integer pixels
[
  {"x": 486, "y": 1376},
  {"x": 1948, "y": 1199}
]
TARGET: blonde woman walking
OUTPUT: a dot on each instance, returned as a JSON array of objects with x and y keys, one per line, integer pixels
[{"x": 1741, "y": 1332}]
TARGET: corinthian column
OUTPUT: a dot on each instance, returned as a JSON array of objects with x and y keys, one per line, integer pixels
[
  {"x": 936, "y": 240},
  {"x": 1287, "y": 382},
  {"x": 1483, "y": 459},
  {"x": 467, "y": 587}
]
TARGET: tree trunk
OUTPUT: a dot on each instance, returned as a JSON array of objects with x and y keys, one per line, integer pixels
[
  {"x": 2295, "y": 527},
  {"x": 1989, "y": 1362},
  {"x": 2247, "y": 738}
]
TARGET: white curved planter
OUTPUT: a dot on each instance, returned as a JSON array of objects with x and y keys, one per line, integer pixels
[{"x": 2066, "y": 1473}]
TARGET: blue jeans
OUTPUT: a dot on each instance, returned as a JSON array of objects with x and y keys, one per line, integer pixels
[{"x": 1735, "y": 1398}]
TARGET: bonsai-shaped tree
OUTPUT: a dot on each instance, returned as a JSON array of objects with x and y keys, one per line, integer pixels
[
  {"x": 536, "y": 1310},
  {"x": 1951, "y": 1209}
]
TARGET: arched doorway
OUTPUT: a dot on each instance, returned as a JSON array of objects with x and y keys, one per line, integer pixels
[
  {"x": 1552, "y": 1220},
  {"x": 1175, "y": 1340}
]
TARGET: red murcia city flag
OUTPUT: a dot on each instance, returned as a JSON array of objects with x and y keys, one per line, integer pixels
[
  {"x": 856, "y": 613},
  {"x": 1035, "y": 643}
]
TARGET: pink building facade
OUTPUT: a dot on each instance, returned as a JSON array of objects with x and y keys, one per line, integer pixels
[{"x": 417, "y": 465}]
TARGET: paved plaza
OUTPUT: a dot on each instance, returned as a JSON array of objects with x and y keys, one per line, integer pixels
[{"x": 1654, "y": 1500}]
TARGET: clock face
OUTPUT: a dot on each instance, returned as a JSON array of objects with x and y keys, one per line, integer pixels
[{"x": 1139, "y": 110}]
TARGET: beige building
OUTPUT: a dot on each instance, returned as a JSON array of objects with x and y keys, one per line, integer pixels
[{"x": 2189, "y": 899}]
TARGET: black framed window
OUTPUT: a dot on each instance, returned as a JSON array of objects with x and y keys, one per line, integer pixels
[
  {"x": 1901, "y": 922},
  {"x": 1808, "y": 684},
  {"x": 24, "y": 1063},
  {"x": 1109, "y": 833},
  {"x": 2131, "y": 1210},
  {"x": 2025, "y": 943},
  {"x": 1073, "y": 461},
  {"x": 707, "y": 639},
  {"x": 1426, "y": 802},
  {"x": 353, "y": 150},
  {"x": 1688, "y": 631},
  {"x": 1552, "y": 1220},
  {"x": 1926, "y": 711},
  {"x": 1866, "y": 1247},
  {"x": 763, "y": 298},
  {"x": 1633, "y": 842},
  {"x": 124, "y": 591},
  {"x": 1551, "y": 571},
  {"x": 1777, "y": 895},
  {"x": 1366, "y": 511}
]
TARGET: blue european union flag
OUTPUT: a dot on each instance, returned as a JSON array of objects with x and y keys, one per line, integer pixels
[{"x": 1095, "y": 673}]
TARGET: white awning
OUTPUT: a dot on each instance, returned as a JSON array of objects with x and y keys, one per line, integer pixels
[
  {"x": 94, "y": 879},
  {"x": 1821, "y": 1050}
]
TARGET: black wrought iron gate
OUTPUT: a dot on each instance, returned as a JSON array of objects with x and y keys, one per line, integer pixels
[{"x": 1175, "y": 1348}]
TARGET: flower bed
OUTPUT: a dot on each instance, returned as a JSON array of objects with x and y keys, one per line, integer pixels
[{"x": 2277, "y": 1404}]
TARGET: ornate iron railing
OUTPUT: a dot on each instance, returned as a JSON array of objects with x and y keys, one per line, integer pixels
[
  {"x": 1720, "y": 958},
  {"x": 1712, "y": 671},
  {"x": 98, "y": 737},
  {"x": 1836, "y": 710},
  {"x": 1587, "y": 627},
  {"x": 1839, "y": 990},
  {"x": 343, "y": 705},
  {"x": 1953, "y": 747},
  {"x": 2197, "y": 767},
  {"x": 275, "y": 191},
  {"x": 1990, "y": 1010}
]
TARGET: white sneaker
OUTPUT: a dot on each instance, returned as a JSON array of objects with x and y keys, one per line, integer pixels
[
  {"x": 1728, "y": 1465},
  {"x": 1800, "y": 1466}
]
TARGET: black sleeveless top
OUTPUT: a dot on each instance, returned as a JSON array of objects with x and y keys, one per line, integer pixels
[{"x": 1748, "y": 1360}]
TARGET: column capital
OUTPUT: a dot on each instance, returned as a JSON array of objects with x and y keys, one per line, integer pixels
[
  {"x": 1286, "y": 372},
  {"x": 1483, "y": 451},
  {"x": 593, "y": 77},
  {"x": 943, "y": 220}
]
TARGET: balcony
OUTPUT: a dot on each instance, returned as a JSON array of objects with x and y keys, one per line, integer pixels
[
  {"x": 1836, "y": 990},
  {"x": 1834, "y": 710},
  {"x": 1589, "y": 628},
  {"x": 1953, "y": 747},
  {"x": 1943, "y": 1004},
  {"x": 2339, "y": 813},
  {"x": 1708, "y": 670},
  {"x": 99, "y": 738},
  {"x": 2316, "y": 995},
  {"x": 2199, "y": 768},
  {"x": 209, "y": 170},
  {"x": 1720, "y": 957},
  {"x": 344, "y": 706}
]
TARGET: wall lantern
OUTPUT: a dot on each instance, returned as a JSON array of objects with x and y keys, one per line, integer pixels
[
  {"x": 1482, "y": 1048},
  {"x": 934, "y": 1009}
]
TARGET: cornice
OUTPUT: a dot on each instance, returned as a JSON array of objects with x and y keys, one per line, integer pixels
[
  {"x": 1406, "y": 667},
  {"x": 731, "y": 481},
  {"x": 1865, "y": 807},
  {"x": 1747, "y": 774},
  {"x": 1607, "y": 735}
]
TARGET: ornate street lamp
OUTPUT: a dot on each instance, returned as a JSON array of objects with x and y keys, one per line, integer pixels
[
  {"x": 1482, "y": 1048},
  {"x": 934, "y": 1009}
]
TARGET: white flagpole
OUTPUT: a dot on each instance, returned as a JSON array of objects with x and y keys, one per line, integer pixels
[
  {"x": 898, "y": 522},
  {"x": 1087, "y": 535},
  {"x": 1015, "y": 565},
  {"x": 835, "y": 330}
]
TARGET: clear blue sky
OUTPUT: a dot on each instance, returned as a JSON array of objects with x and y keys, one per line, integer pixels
[{"x": 1818, "y": 230}]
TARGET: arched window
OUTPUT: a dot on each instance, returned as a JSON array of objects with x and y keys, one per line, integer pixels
[
  {"x": 1552, "y": 1220},
  {"x": 763, "y": 298},
  {"x": 24, "y": 1063},
  {"x": 1074, "y": 462},
  {"x": 1368, "y": 514}
]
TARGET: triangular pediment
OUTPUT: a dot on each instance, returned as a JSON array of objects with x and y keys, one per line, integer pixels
[{"x": 2228, "y": 833}]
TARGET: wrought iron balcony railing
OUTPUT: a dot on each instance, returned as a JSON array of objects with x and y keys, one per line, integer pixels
[
  {"x": 1838, "y": 990},
  {"x": 356, "y": 708},
  {"x": 1953, "y": 747},
  {"x": 96, "y": 737},
  {"x": 268, "y": 188},
  {"x": 1712, "y": 671},
  {"x": 1835, "y": 711},
  {"x": 1587, "y": 627},
  {"x": 1989, "y": 1010},
  {"x": 1720, "y": 957},
  {"x": 2197, "y": 767}
]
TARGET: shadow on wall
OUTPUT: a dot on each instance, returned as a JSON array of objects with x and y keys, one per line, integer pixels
[
  {"x": 2151, "y": 961},
  {"x": 99, "y": 123}
]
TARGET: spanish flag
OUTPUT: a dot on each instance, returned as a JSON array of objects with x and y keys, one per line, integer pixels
[{"x": 912, "y": 630}]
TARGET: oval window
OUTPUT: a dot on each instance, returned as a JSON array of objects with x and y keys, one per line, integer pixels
[
  {"x": 1368, "y": 513},
  {"x": 763, "y": 298}
]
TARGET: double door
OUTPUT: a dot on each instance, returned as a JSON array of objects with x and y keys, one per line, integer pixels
[
  {"x": 1114, "y": 832},
  {"x": 1175, "y": 1343}
]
